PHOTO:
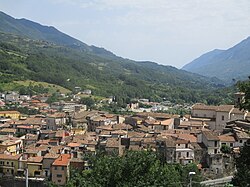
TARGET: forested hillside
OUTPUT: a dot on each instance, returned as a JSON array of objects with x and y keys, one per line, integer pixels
[
  {"x": 31, "y": 51},
  {"x": 23, "y": 58}
]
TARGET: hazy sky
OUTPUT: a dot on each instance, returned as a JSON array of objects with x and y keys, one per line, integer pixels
[{"x": 171, "y": 32}]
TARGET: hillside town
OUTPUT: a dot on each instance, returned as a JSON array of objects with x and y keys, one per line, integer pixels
[{"x": 45, "y": 146}]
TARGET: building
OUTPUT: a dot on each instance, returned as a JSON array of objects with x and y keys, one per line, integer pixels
[
  {"x": 60, "y": 169},
  {"x": 9, "y": 164},
  {"x": 10, "y": 114}
]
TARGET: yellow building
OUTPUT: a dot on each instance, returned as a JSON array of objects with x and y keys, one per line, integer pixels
[
  {"x": 34, "y": 165},
  {"x": 10, "y": 114},
  {"x": 9, "y": 164},
  {"x": 12, "y": 146}
]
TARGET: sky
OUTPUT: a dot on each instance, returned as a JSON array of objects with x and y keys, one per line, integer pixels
[{"x": 169, "y": 32}]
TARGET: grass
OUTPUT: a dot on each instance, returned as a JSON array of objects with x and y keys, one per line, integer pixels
[{"x": 52, "y": 87}]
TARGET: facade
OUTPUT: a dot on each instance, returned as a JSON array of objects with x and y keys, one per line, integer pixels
[
  {"x": 60, "y": 169},
  {"x": 9, "y": 164},
  {"x": 10, "y": 114}
]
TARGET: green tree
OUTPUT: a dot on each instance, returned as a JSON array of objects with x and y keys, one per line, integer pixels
[
  {"x": 245, "y": 87},
  {"x": 134, "y": 168},
  {"x": 242, "y": 176},
  {"x": 225, "y": 149},
  {"x": 88, "y": 101}
]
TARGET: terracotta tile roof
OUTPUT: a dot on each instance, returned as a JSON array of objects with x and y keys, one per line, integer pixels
[
  {"x": 58, "y": 115},
  {"x": 221, "y": 108},
  {"x": 9, "y": 157},
  {"x": 119, "y": 132},
  {"x": 188, "y": 137},
  {"x": 167, "y": 122},
  {"x": 112, "y": 142},
  {"x": 72, "y": 144},
  {"x": 43, "y": 142},
  {"x": 242, "y": 135},
  {"x": 37, "y": 159},
  {"x": 122, "y": 126},
  {"x": 105, "y": 127},
  {"x": 238, "y": 111},
  {"x": 9, "y": 112},
  {"x": 227, "y": 138},
  {"x": 8, "y": 130},
  {"x": 133, "y": 134},
  {"x": 181, "y": 141},
  {"x": 201, "y": 106},
  {"x": 31, "y": 121},
  {"x": 51, "y": 155},
  {"x": 224, "y": 108},
  {"x": 62, "y": 160},
  {"x": 27, "y": 127},
  {"x": 210, "y": 135}
]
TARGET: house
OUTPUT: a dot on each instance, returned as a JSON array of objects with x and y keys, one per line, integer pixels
[
  {"x": 48, "y": 160},
  {"x": 55, "y": 121},
  {"x": 9, "y": 164},
  {"x": 60, "y": 169},
  {"x": 184, "y": 152},
  {"x": 11, "y": 145},
  {"x": 12, "y": 97},
  {"x": 10, "y": 114},
  {"x": 218, "y": 115},
  {"x": 211, "y": 141},
  {"x": 228, "y": 140},
  {"x": 35, "y": 166}
]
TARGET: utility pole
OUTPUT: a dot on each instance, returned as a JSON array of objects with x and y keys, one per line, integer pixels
[
  {"x": 190, "y": 177},
  {"x": 27, "y": 178}
]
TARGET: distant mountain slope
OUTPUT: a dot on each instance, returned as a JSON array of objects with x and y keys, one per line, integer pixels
[
  {"x": 37, "y": 31},
  {"x": 226, "y": 65},
  {"x": 30, "y": 51}
]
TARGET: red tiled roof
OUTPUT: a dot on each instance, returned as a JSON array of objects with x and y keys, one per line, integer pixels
[
  {"x": 36, "y": 159},
  {"x": 72, "y": 144},
  {"x": 62, "y": 160},
  {"x": 9, "y": 112},
  {"x": 227, "y": 138},
  {"x": 9, "y": 157}
]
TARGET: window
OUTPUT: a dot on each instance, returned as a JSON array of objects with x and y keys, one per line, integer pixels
[
  {"x": 231, "y": 144},
  {"x": 59, "y": 175},
  {"x": 215, "y": 151},
  {"x": 62, "y": 168},
  {"x": 205, "y": 115},
  {"x": 55, "y": 168},
  {"x": 222, "y": 118},
  {"x": 186, "y": 145},
  {"x": 215, "y": 144},
  {"x": 58, "y": 181},
  {"x": 187, "y": 154},
  {"x": 240, "y": 141}
]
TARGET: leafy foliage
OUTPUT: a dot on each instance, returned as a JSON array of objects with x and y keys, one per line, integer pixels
[
  {"x": 245, "y": 88},
  {"x": 225, "y": 149},
  {"x": 133, "y": 169},
  {"x": 242, "y": 176}
]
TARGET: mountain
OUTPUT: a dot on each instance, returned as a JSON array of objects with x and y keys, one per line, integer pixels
[
  {"x": 33, "y": 30},
  {"x": 30, "y": 51},
  {"x": 227, "y": 65}
]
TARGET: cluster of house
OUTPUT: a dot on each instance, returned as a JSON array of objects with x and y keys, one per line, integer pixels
[{"x": 48, "y": 146}]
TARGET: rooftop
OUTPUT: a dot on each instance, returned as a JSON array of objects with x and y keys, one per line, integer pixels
[{"x": 62, "y": 160}]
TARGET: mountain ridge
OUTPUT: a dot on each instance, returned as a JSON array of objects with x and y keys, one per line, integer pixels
[
  {"x": 23, "y": 57},
  {"x": 227, "y": 65}
]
